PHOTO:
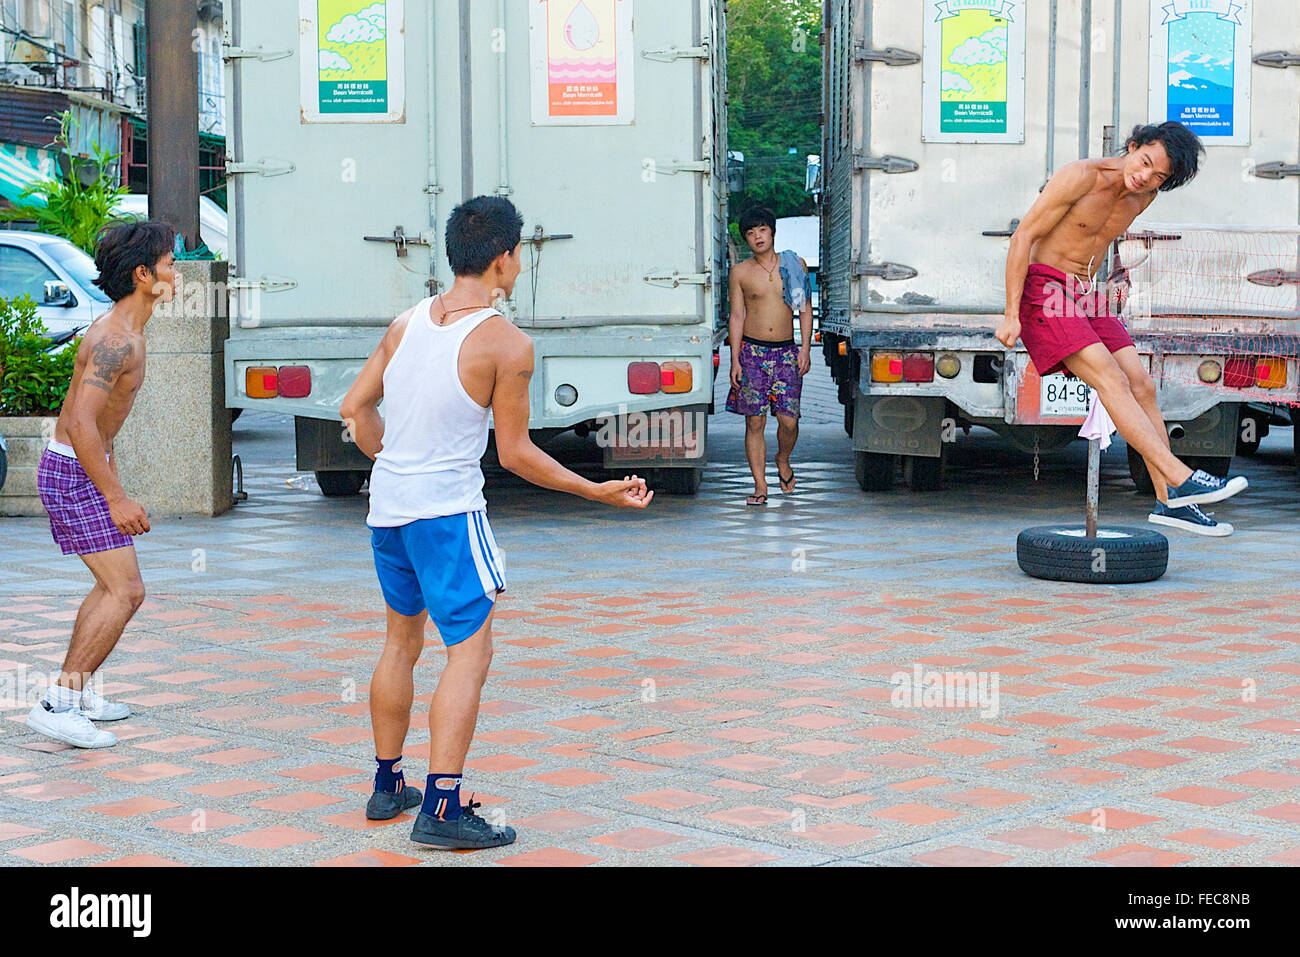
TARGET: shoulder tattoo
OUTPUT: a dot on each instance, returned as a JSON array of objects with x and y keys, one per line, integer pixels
[{"x": 108, "y": 357}]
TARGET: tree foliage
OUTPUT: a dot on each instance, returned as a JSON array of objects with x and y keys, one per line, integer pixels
[
  {"x": 33, "y": 379},
  {"x": 774, "y": 79},
  {"x": 78, "y": 206}
]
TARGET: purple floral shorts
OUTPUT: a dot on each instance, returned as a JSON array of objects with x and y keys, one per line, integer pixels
[{"x": 769, "y": 379}]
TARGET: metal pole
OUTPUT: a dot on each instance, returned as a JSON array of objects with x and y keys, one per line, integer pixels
[
  {"x": 173, "y": 92},
  {"x": 1094, "y": 486}
]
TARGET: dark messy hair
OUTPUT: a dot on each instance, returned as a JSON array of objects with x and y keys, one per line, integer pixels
[
  {"x": 1181, "y": 144},
  {"x": 123, "y": 247},
  {"x": 757, "y": 216},
  {"x": 479, "y": 231}
]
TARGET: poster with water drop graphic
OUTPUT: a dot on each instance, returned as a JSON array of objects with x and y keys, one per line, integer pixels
[
  {"x": 1200, "y": 67},
  {"x": 582, "y": 62},
  {"x": 352, "y": 57}
]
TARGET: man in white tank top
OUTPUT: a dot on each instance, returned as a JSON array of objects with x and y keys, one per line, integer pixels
[{"x": 441, "y": 368}]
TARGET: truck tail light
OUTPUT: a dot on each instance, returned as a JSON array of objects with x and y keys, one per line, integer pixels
[
  {"x": 1209, "y": 371},
  {"x": 918, "y": 367},
  {"x": 1245, "y": 372},
  {"x": 260, "y": 382},
  {"x": 886, "y": 367},
  {"x": 644, "y": 378},
  {"x": 948, "y": 366},
  {"x": 676, "y": 377},
  {"x": 295, "y": 382}
]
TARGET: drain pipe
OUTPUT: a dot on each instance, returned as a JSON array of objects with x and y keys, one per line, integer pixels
[
  {"x": 433, "y": 189},
  {"x": 503, "y": 145}
]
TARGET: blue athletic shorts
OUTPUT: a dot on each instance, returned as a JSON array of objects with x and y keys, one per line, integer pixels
[{"x": 449, "y": 565}]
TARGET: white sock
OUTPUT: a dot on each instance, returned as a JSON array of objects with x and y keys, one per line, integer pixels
[{"x": 62, "y": 699}]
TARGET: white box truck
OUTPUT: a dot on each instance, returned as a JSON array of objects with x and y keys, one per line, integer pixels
[
  {"x": 944, "y": 120},
  {"x": 356, "y": 127}
]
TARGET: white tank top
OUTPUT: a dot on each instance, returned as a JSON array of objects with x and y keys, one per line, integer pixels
[{"x": 434, "y": 433}]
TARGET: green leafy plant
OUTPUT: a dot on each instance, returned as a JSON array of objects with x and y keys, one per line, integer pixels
[
  {"x": 33, "y": 380},
  {"x": 79, "y": 206}
]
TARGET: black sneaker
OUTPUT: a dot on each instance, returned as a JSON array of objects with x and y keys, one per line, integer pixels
[
  {"x": 467, "y": 832},
  {"x": 386, "y": 805}
]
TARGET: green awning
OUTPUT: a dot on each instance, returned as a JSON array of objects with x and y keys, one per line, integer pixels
[{"x": 20, "y": 166}]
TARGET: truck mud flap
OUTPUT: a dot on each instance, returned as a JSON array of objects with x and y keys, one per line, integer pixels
[
  {"x": 662, "y": 438},
  {"x": 322, "y": 447},
  {"x": 899, "y": 424},
  {"x": 1213, "y": 433}
]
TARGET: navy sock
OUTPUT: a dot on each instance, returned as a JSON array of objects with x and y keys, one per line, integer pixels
[
  {"x": 389, "y": 777},
  {"x": 442, "y": 797}
]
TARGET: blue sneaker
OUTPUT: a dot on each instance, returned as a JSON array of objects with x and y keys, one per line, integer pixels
[
  {"x": 1203, "y": 488},
  {"x": 1190, "y": 519}
]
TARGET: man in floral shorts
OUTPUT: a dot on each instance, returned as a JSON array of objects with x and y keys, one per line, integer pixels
[{"x": 767, "y": 366}]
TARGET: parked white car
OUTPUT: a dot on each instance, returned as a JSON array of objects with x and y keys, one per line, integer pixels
[{"x": 58, "y": 276}]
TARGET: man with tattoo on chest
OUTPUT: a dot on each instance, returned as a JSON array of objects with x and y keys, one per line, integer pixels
[{"x": 90, "y": 514}]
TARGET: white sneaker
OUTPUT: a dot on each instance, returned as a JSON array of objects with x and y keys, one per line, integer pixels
[
  {"x": 97, "y": 709},
  {"x": 70, "y": 727}
]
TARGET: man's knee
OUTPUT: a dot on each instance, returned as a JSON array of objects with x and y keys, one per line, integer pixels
[
  {"x": 131, "y": 594},
  {"x": 1111, "y": 380},
  {"x": 1144, "y": 389},
  {"x": 755, "y": 423}
]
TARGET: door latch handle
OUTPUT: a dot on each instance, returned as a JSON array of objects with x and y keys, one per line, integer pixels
[{"x": 1009, "y": 231}]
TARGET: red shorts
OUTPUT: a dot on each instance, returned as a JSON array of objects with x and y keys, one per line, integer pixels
[{"x": 1059, "y": 315}]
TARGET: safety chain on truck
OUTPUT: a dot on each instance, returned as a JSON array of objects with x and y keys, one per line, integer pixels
[{"x": 1035, "y": 455}]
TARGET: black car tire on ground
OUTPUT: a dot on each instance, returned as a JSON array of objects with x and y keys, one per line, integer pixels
[
  {"x": 875, "y": 472},
  {"x": 1218, "y": 465},
  {"x": 674, "y": 481},
  {"x": 339, "y": 484},
  {"x": 1116, "y": 556},
  {"x": 923, "y": 474},
  {"x": 4, "y": 467}
]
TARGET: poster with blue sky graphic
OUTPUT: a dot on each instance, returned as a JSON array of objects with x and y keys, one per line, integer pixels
[{"x": 1200, "y": 67}]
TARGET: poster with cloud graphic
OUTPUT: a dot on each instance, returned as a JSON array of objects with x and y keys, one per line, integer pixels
[
  {"x": 352, "y": 61},
  {"x": 974, "y": 69},
  {"x": 1200, "y": 67},
  {"x": 582, "y": 62}
]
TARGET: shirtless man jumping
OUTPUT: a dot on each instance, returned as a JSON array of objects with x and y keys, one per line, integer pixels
[
  {"x": 767, "y": 368},
  {"x": 90, "y": 514},
  {"x": 1066, "y": 325}
]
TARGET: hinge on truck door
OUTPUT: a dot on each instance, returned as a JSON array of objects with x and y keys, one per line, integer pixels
[
  {"x": 890, "y": 272},
  {"x": 1276, "y": 170},
  {"x": 886, "y": 164},
  {"x": 890, "y": 56},
  {"x": 674, "y": 279},
  {"x": 259, "y": 53},
  {"x": 264, "y": 168},
  {"x": 669, "y": 54},
  {"x": 673, "y": 168},
  {"x": 265, "y": 284},
  {"x": 400, "y": 240},
  {"x": 1278, "y": 59},
  {"x": 1274, "y": 277},
  {"x": 1003, "y": 233}
]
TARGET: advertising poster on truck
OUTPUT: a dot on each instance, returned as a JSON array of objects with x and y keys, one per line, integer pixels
[
  {"x": 974, "y": 87},
  {"x": 581, "y": 62},
  {"x": 1200, "y": 67},
  {"x": 352, "y": 61}
]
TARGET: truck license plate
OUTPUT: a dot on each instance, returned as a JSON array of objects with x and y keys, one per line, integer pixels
[{"x": 1064, "y": 398}]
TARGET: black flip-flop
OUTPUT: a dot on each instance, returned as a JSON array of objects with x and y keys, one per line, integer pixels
[
  {"x": 756, "y": 500},
  {"x": 786, "y": 481}
]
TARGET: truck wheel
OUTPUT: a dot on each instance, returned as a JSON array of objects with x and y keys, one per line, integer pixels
[
  {"x": 923, "y": 474},
  {"x": 875, "y": 472},
  {"x": 1259, "y": 430},
  {"x": 1218, "y": 465},
  {"x": 1137, "y": 471},
  {"x": 338, "y": 484},
  {"x": 675, "y": 481},
  {"x": 848, "y": 417},
  {"x": 4, "y": 467},
  {"x": 1117, "y": 556},
  {"x": 1295, "y": 438}
]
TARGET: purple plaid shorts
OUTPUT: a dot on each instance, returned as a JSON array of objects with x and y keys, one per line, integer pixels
[{"x": 79, "y": 518}]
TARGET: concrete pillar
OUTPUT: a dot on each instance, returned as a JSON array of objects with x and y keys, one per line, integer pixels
[{"x": 174, "y": 453}]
